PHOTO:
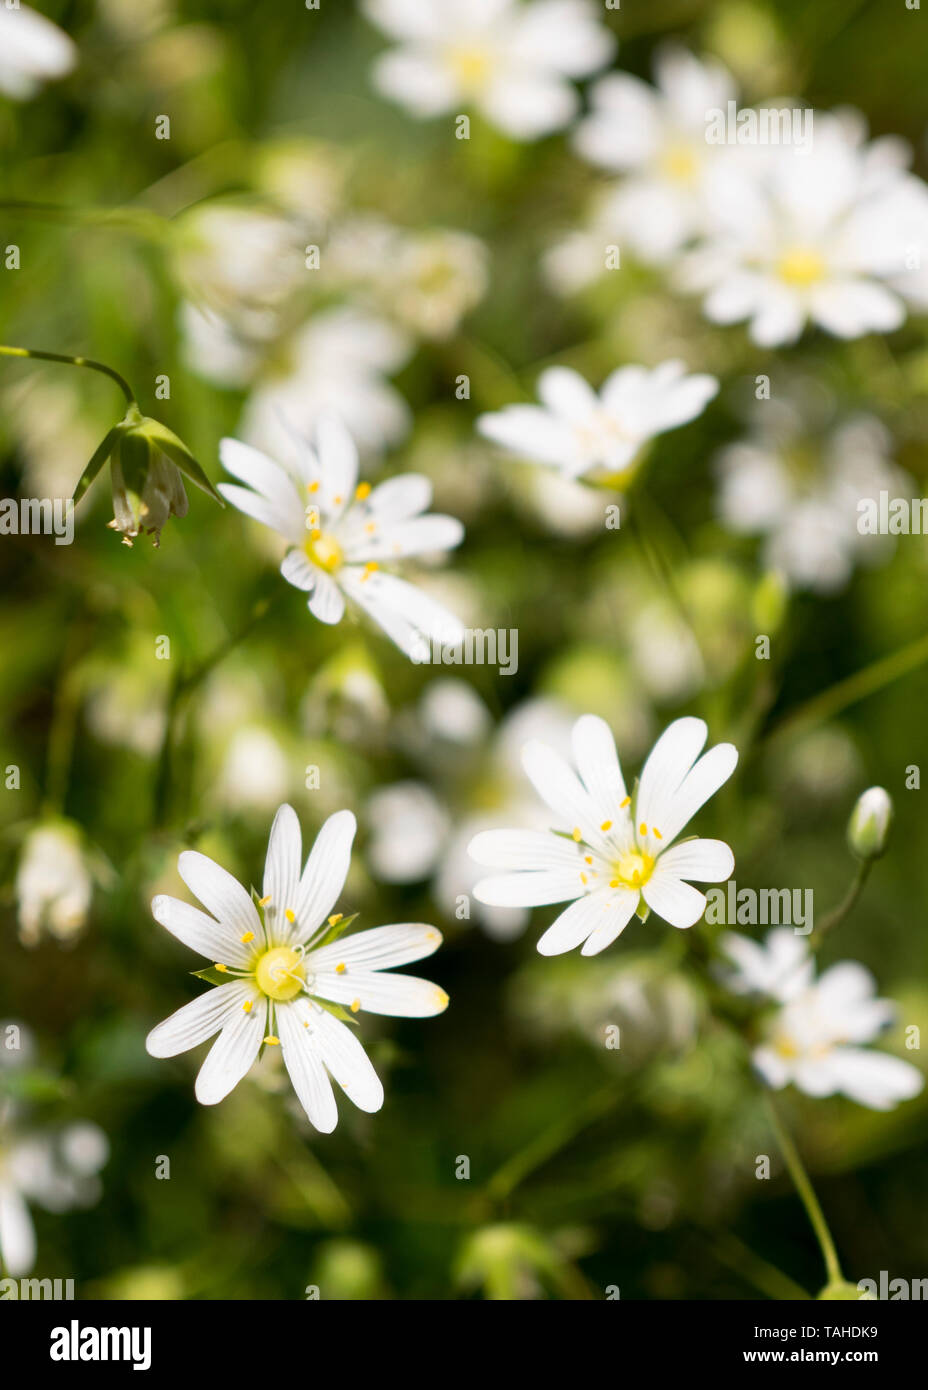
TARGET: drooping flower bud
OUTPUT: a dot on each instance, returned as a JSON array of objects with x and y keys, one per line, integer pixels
[{"x": 868, "y": 827}]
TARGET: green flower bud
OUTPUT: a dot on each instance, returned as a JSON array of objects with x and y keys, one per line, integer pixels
[{"x": 868, "y": 828}]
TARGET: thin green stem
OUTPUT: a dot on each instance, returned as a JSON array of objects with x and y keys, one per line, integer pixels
[
  {"x": 838, "y": 914},
  {"x": 545, "y": 1145},
  {"x": 35, "y": 354},
  {"x": 807, "y": 1195}
]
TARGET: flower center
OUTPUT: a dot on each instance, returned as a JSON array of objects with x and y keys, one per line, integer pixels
[
  {"x": 323, "y": 550},
  {"x": 801, "y": 267},
  {"x": 279, "y": 973},
  {"x": 632, "y": 869},
  {"x": 471, "y": 67},
  {"x": 679, "y": 163}
]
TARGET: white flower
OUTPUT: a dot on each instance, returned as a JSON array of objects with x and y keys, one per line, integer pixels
[
  {"x": 611, "y": 854},
  {"x": 32, "y": 51},
  {"x": 510, "y": 61},
  {"x": 809, "y": 234},
  {"x": 814, "y": 1039},
  {"x": 657, "y": 139},
  {"x": 340, "y": 532},
  {"x": 809, "y": 515},
  {"x": 56, "y": 1170},
  {"x": 285, "y": 967},
  {"x": 54, "y": 884},
  {"x": 337, "y": 364},
  {"x": 599, "y": 437},
  {"x": 238, "y": 257}
]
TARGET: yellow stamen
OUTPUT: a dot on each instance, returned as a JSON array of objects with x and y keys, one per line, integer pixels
[
  {"x": 355, "y": 1006},
  {"x": 290, "y": 915},
  {"x": 362, "y": 491},
  {"x": 274, "y": 1042},
  {"x": 263, "y": 902},
  {"x": 223, "y": 968},
  {"x": 323, "y": 550},
  {"x": 606, "y": 825},
  {"x": 248, "y": 1005},
  {"x": 588, "y": 859},
  {"x": 341, "y": 968},
  {"x": 577, "y": 835},
  {"x": 642, "y": 829},
  {"x": 801, "y": 267},
  {"x": 626, "y": 802},
  {"x": 657, "y": 832},
  {"x": 312, "y": 487},
  {"x": 279, "y": 973},
  {"x": 335, "y": 918},
  {"x": 249, "y": 936}
]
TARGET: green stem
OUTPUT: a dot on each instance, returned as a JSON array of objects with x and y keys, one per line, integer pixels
[
  {"x": 545, "y": 1145},
  {"x": 35, "y": 354},
  {"x": 838, "y": 914},
  {"x": 806, "y": 1194}
]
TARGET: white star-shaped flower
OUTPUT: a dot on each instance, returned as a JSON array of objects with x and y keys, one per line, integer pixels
[
  {"x": 286, "y": 968},
  {"x": 33, "y": 50},
  {"x": 610, "y": 853},
  {"x": 814, "y": 1040},
  {"x": 599, "y": 437},
  {"x": 341, "y": 532},
  {"x": 510, "y": 61}
]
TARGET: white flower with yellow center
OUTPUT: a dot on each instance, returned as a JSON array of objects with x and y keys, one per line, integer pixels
[
  {"x": 656, "y": 139},
  {"x": 288, "y": 973},
  {"x": 510, "y": 61},
  {"x": 341, "y": 532},
  {"x": 816, "y": 234},
  {"x": 33, "y": 50},
  {"x": 814, "y": 1039},
  {"x": 599, "y": 437},
  {"x": 611, "y": 854}
]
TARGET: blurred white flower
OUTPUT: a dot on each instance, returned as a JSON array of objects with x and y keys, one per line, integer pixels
[
  {"x": 808, "y": 513},
  {"x": 656, "y": 138},
  {"x": 57, "y": 1170},
  {"x": 33, "y": 50},
  {"x": 815, "y": 233},
  {"x": 611, "y": 854},
  {"x": 287, "y": 968},
  {"x": 510, "y": 61},
  {"x": 814, "y": 1039},
  {"x": 337, "y": 364},
  {"x": 599, "y": 437},
  {"x": 408, "y": 828},
  {"x": 452, "y": 710},
  {"x": 255, "y": 772},
  {"x": 232, "y": 256},
  {"x": 340, "y": 531},
  {"x": 54, "y": 883}
]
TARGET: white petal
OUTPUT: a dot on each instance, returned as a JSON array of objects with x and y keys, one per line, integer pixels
[
  {"x": 343, "y": 1054},
  {"x": 699, "y": 861},
  {"x": 380, "y": 992},
  {"x": 675, "y": 901},
  {"x": 423, "y": 535},
  {"x": 282, "y": 871},
  {"x": 620, "y": 909},
  {"x": 17, "y": 1234},
  {"x": 598, "y": 763},
  {"x": 667, "y": 764},
  {"x": 529, "y": 889},
  {"x": 524, "y": 849},
  {"x": 338, "y": 460},
  {"x": 400, "y": 498},
  {"x": 297, "y": 570},
  {"x": 233, "y": 1053},
  {"x": 324, "y": 875},
  {"x": 200, "y": 1019},
  {"x": 849, "y": 308},
  {"x": 326, "y": 602},
  {"x": 380, "y": 948},
  {"x": 219, "y": 892},
  {"x": 290, "y": 525},
  {"x": 876, "y": 1079},
  {"x": 561, "y": 789},
  {"x": 566, "y": 393},
  {"x": 261, "y": 474},
  {"x": 217, "y": 941},
  {"x": 304, "y": 1063}
]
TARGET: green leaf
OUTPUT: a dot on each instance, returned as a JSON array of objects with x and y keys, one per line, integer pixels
[
  {"x": 335, "y": 930},
  {"x": 214, "y": 976},
  {"x": 100, "y": 456},
  {"x": 177, "y": 451}
]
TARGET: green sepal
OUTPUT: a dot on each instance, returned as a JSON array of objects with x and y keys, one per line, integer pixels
[
  {"x": 213, "y": 976},
  {"x": 337, "y": 1010},
  {"x": 334, "y": 932},
  {"x": 169, "y": 443},
  {"x": 100, "y": 456}
]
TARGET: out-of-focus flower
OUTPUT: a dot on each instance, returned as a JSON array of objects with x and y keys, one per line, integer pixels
[
  {"x": 610, "y": 854},
  {"x": 814, "y": 1039},
  {"x": 57, "y": 1170},
  {"x": 868, "y": 828},
  {"x": 291, "y": 981},
  {"x": 409, "y": 828},
  {"x": 343, "y": 531},
  {"x": 33, "y": 50},
  {"x": 337, "y": 364},
  {"x": 808, "y": 509},
  {"x": 816, "y": 233},
  {"x": 516, "y": 1262},
  {"x": 54, "y": 883},
  {"x": 433, "y": 277},
  {"x": 510, "y": 61},
  {"x": 599, "y": 437},
  {"x": 232, "y": 257},
  {"x": 656, "y": 138},
  {"x": 255, "y": 772}
]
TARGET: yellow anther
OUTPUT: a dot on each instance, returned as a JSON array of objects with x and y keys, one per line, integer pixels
[
  {"x": 340, "y": 968},
  {"x": 369, "y": 569},
  {"x": 588, "y": 859},
  {"x": 362, "y": 491},
  {"x": 626, "y": 802},
  {"x": 249, "y": 936},
  {"x": 371, "y": 527},
  {"x": 312, "y": 487},
  {"x": 356, "y": 1004},
  {"x": 613, "y": 883},
  {"x": 274, "y": 1042},
  {"x": 223, "y": 968},
  {"x": 576, "y": 833},
  {"x": 642, "y": 829},
  {"x": 263, "y": 902},
  {"x": 335, "y": 918},
  {"x": 657, "y": 832},
  {"x": 247, "y": 1006},
  {"x": 606, "y": 825},
  {"x": 315, "y": 534},
  {"x": 290, "y": 915},
  {"x": 583, "y": 878}
]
